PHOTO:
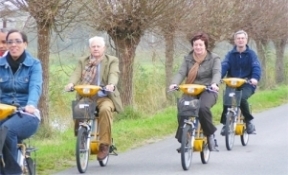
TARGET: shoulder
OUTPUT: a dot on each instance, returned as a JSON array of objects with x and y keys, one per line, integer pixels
[
  {"x": 83, "y": 58},
  {"x": 111, "y": 58},
  {"x": 30, "y": 60},
  {"x": 213, "y": 55}
]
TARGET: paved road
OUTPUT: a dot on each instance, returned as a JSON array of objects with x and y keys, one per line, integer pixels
[{"x": 265, "y": 154}]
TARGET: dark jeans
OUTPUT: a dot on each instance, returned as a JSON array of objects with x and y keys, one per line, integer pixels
[
  {"x": 247, "y": 92},
  {"x": 19, "y": 128},
  {"x": 207, "y": 101}
]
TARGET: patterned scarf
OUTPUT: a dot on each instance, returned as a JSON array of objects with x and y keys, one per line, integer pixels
[
  {"x": 194, "y": 69},
  {"x": 90, "y": 71}
]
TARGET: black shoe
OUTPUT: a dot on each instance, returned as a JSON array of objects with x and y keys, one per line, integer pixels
[
  {"x": 223, "y": 131},
  {"x": 212, "y": 143},
  {"x": 250, "y": 128},
  {"x": 178, "y": 149}
]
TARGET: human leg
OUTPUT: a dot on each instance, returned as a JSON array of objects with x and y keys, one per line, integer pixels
[
  {"x": 106, "y": 108},
  {"x": 244, "y": 106},
  {"x": 207, "y": 100}
]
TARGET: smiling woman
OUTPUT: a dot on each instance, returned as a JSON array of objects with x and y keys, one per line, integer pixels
[{"x": 20, "y": 85}]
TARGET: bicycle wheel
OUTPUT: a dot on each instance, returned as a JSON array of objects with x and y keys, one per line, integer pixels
[
  {"x": 244, "y": 138},
  {"x": 186, "y": 146},
  {"x": 205, "y": 154},
  {"x": 82, "y": 151},
  {"x": 229, "y": 131},
  {"x": 30, "y": 166}
]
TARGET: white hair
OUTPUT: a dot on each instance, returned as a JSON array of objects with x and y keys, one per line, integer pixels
[
  {"x": 241, "y": 32},
  {"x": 98, "y": 39}
]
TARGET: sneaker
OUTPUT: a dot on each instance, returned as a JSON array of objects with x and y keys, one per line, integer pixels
[
  {"x": 250, "y": 128},
  {"x": 223, "y": 131}
]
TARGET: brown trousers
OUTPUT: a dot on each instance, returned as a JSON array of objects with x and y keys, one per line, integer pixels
[{"x": 105, "y": 112}]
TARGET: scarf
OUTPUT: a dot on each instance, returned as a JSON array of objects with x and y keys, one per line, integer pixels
[
  {"x": 14, "y": 64},
  {"x": 194, "y": 69},
  {"x": 90, "y": 71}
]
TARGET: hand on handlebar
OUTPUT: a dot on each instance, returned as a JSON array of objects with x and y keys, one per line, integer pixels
[
  {"x": 110, "y": 88},
  {"x": 69, "y": 87},
  {"x": 172, "y": 86},
  {"x": 253, "y": 81},
  {"x": 30, "y": 109},
  {"x": 215, "y": 87}
]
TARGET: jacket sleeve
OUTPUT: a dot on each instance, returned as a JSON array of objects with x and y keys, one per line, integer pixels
[
  {"x": 216, "y": 72},
  {"x": 225, "y": 65},
  {"x": 76, "y": 75},
  {"x": 35, "y": 84},
  {"x": 113, "y": 74},
  {"x": 256, "y": 67},
  {"x": 181, "y": 74}
]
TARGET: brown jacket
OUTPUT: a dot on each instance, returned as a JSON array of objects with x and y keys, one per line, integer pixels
[
  {"x": 209, "y": 71},
  {"x": 109, "y": 75}
]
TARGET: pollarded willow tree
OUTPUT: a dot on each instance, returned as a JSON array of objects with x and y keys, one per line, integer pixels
[
  {"x": 48, "y": 15},
  {"x": 263, "y": 26},
  {"x": 125, "y": 21}
]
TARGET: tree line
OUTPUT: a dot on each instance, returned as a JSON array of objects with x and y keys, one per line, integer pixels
[{"x": 126, "y": 21}]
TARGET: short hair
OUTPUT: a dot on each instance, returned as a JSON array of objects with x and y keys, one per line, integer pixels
[
  {"x": 202, "y": 36},
  {"x": 240, "y": 32},
  {"x": 23, "y": 35},
  {"x": 97, "y": 38}
]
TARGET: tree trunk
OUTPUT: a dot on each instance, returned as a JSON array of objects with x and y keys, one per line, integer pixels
[
  {"x": 279, "y": 62},
  {"x": 43, "y": 55},
  {"x": 169, "y": 54},
  {"x": 125, "y": 50},
  {"x": 261, "y": 49}
]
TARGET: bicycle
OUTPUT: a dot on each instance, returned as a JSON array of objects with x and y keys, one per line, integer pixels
[
  {"x": 235, "y": 123},
  {"x": 24, "y": 159},
  {"x": 193, "y": 138},
  {"x": 88, "y": 131}
]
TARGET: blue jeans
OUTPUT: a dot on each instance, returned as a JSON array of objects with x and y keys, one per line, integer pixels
[{"x": 19, "y": 127}]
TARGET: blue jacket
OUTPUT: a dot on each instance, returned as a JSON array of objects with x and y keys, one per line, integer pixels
[
  {"x": 241, "y": 65},
  {"x": 25, "y": 86}
]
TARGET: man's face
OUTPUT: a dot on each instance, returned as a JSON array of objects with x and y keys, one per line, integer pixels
[
  {"x": 240, "y": 40},
  {"x": 3, "y": 46},
  {"x": 97, "y": 49}
]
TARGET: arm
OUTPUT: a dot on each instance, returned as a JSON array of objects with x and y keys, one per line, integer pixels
[
  {"x": 225, "y": 65},
  {"x": 182, "y": 73},
  {"x": 216, "y": 71},
  {"x": 35, "y": 84},
  {"x": 76, "y": 75},
  {"x": 256, "y": 67},
  {"x": 113, "y": 74}
]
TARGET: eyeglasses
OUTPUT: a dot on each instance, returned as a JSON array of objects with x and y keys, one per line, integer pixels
[{"x": 10, "y": 42}]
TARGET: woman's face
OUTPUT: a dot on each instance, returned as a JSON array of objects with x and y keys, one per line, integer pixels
[
  {"x": 199, "y": 47},
  {"x": 16, "y": 45}
]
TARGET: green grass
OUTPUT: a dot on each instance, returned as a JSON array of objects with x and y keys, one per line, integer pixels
[{"x": 132, "y": 129}]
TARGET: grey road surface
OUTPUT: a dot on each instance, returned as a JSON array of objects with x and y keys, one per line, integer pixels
[{"x": 265, "y": 154}]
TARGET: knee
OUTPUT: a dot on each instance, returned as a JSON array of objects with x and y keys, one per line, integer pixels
[{"x": 105, "y": 109}]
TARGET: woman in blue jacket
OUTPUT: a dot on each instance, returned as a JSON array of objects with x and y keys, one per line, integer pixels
[{"x": 21, "y": 84}]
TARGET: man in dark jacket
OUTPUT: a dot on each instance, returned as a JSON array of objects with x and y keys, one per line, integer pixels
[{"x": 242, "y": 62}]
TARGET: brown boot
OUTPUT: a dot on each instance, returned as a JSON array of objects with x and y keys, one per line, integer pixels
[{"x": 103, "y": 151}]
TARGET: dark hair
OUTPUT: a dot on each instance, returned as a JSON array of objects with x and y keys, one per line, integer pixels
[
  {"x": 202, "y": 36},
  {"x": 23, "y": 35}
]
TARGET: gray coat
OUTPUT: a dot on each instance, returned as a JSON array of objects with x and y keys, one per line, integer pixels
[{"x": 209, "y": 71}]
